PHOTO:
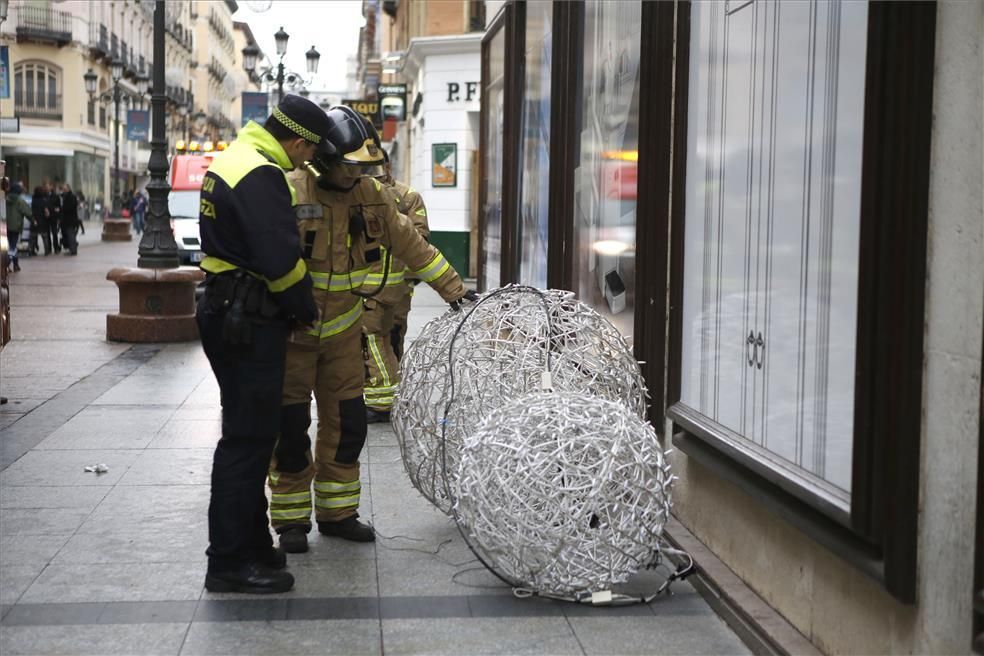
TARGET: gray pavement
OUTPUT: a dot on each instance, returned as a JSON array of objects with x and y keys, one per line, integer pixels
[{"x": 113, "y": 563}]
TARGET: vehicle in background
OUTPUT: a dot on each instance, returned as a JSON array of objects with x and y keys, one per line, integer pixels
[{"x": 187, "y": 174}]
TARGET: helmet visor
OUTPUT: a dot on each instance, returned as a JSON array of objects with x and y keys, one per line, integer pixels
[{"x": 361, "y": 169}]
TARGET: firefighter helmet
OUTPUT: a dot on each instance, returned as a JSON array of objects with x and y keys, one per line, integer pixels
[{"x": 356, "y": 143}]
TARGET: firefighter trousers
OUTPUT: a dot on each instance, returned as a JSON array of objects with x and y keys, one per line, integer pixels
[
  {"x": 334, "y": 372},
  {"x": 382, "y": 367},
  {"x": 399, "y": 331}
]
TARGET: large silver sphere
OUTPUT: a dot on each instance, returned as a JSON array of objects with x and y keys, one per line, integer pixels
[
  {"x": 501, "y": 349},
  {"x": 563, "y": 493}
]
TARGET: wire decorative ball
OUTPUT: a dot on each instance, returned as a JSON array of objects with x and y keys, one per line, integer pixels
[
  {"x": 492, "y": 354},
  {"x": 563, "y": 493}
]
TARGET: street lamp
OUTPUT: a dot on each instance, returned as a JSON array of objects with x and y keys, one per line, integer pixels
[
  {"x": 116, "y": 96},
  {"x": 251, "y": 54},
  {"x": 143, "y": 86},
  {"x": 183, "y": 112},
  {"x": 3, "y": 11}
]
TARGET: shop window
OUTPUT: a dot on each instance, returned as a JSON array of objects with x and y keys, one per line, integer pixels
[
  {"x": 773, "y": 198},
  {"x": 493, "y": 149},
  {"x": 605, "y": 177},
  {"x": 36, "y": 90},
  {"x": 797, "y": 262},
  {"x": 535, "y": 146}
]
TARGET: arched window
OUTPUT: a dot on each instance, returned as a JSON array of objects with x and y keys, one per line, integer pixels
[{"x": 37, "y": 90}]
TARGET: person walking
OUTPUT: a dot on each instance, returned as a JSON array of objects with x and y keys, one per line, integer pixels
[
  {"x": 346, "y": 220},
  {"x": 39, "y": 205},
  {"x": 138, "y": 208},
  {"x": 17, "y": 212},
  {"x": 69, "y": 220},
  {"x": 83, "y": 211},
  {"x": 256, "y": 287}
]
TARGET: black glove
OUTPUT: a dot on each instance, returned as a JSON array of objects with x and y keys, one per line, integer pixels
[{"x": 470, "y": 295}]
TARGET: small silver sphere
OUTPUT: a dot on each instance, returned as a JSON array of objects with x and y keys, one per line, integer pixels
[{"x": 563, "y": 493}]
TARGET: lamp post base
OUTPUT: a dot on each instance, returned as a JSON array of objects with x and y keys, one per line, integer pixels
[
  {"x": 116, "y": 229},
  {"x": 156, "y": 305}
]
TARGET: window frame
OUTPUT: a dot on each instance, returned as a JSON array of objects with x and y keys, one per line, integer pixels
[{"x": 879, "y": 532}]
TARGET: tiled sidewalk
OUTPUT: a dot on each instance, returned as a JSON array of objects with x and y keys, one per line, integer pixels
[{"x": 113, "y": 563}]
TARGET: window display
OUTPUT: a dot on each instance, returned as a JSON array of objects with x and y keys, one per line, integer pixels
[
  {"x": 535, "y": 146},
  {"x": 605, "y": 178}
]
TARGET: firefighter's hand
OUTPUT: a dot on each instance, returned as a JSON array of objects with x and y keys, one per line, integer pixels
[{"x": 470, "y": 295}]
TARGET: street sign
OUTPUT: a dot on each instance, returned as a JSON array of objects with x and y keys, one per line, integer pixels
[
  {"x": 137, "y": 125},
  {"x": 254, "y": 107},
  {"x": 4, "y": 72},
  {"x": 368, "y": 108},
  {"x": 393, "y": 101}
]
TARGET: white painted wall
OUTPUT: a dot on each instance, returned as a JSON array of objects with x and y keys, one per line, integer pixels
[{"x": 443, "y": 121}]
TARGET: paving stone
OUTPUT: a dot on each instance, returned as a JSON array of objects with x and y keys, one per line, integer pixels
[
  {"x": 284, "y": 638},
  {"x": 16, "y": 579},
  {"x": 111, "y": 427},
  {"x": 118, "y": 582},
  {"x": 144, "y": 390},
  {"x": 29, "y": 549},
  {"x": 67, "y": 468},
  {"x": 128, "y": 639},
  {"x": 519, "y": 635},
  {"x": 159, "y": 507},
  {"x": 657, "y": 635},
  {"x": 171, "y": 467},
  {"x": 188, "y": 433},
  {"x": 241, "y": 610},
  {"x": 61, "y": 522},
  {"x": 80, "y": 497},
  {"x": 135, "y": 543}
]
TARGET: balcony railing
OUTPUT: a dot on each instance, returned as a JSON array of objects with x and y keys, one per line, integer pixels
[
  {"x": 50, "y": 110},
  {"x": 43, "y": 24},
  {"x": 98, "y": 40}
]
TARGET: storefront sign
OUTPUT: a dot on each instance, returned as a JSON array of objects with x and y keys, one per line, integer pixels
[
  {"x": 137, "y": 125},
  {"x": 445, "y": 171},
  {"x": 454, "y": 91},
  {"x": 254, "y": 107},
  {"x": 4, "y": 72},
  {"x": 368, "y": 108},
  {"x": 393, "y": 101}
]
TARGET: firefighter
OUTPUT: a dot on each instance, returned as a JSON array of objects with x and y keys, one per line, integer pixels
[
  {"x": 385, "y": 317},
  {"x": 345, "y": 218},
  {"x": 256, "y": 283}
]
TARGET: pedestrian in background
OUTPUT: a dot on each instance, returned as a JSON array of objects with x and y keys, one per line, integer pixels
[
  {"x": 52, "y": 210},
  {"x": 17, "y": 212},
  {"x": 83, "y": 211},
  {"x": 39, "y": 213},
  {"x": 138, "y": 208},
  {"x": 69, "y": 220}
]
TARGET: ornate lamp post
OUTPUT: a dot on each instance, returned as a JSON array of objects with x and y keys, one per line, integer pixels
[
  {"x": 115, "y": 96},
  {"x": 157, "y": 247},
  {"x": 279, "y": 75}
]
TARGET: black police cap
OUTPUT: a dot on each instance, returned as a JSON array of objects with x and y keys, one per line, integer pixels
[{"x": 305, "y": 119}]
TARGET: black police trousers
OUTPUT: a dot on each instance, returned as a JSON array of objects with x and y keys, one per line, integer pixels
[{"x": 251, "y": 380}]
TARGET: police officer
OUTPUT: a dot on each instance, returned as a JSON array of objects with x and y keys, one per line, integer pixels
[
  {"x": 346, "y": 219},
  {"x": 384, "y": 321},
  {"x": 257, "y": 285}
]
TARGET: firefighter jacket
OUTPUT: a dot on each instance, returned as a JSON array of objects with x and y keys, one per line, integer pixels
[
  {"x": 343, "y": 233},
  {"x": 411, "y": 205},
  {"x": 246, "y": 221}
]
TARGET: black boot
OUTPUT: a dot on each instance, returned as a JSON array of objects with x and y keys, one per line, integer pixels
[
  {"x": 294, "y": 540},
  {"x": 349, "y": 528},
  {"x": 274, "y": 558},
  {"x": 253, "y": 578},
  {"x": 377, "y": 416}
]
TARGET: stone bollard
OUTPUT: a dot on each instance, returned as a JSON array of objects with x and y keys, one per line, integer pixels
[
  {"x": 116, "y": 229},
  {"x": 156, "y": 305}
]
